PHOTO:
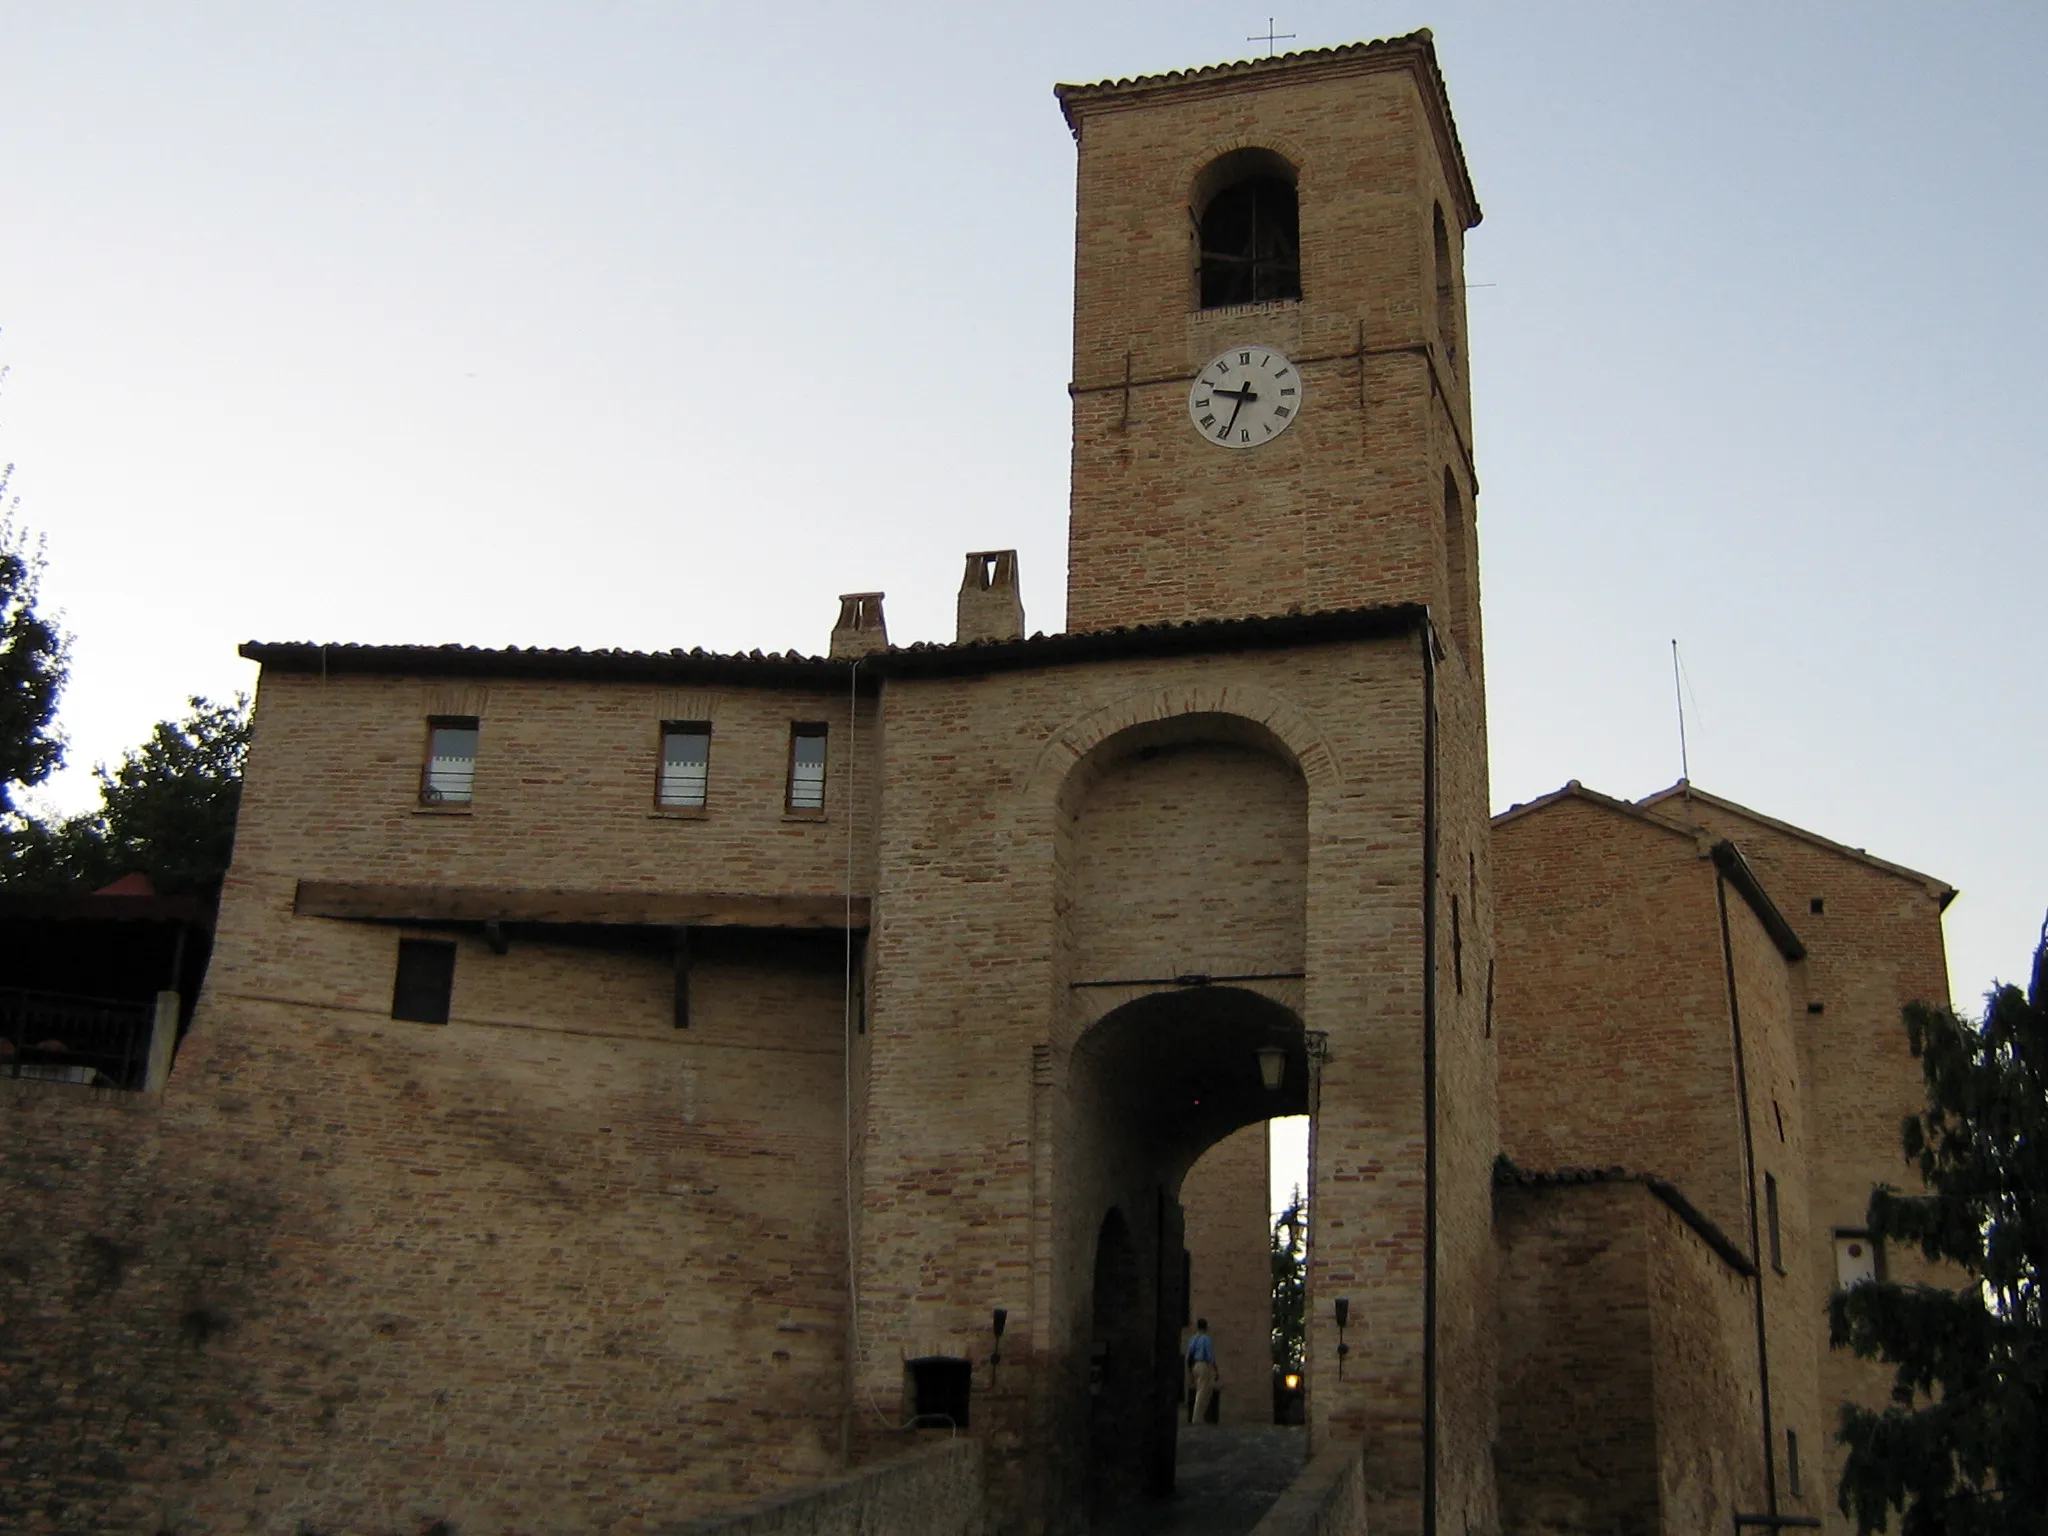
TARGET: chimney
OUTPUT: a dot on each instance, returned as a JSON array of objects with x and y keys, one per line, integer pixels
[
  {"x": 991, "y": 607},
  {"x": 860, "y": 630}
]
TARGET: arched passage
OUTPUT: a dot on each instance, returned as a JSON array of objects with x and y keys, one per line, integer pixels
[
  {"x": 1182, "y": 850},
  {"x": 1151, "y": 1086}
]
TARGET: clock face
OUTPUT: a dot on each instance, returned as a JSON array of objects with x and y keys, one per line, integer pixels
[{"x": 1244, "y": 397}]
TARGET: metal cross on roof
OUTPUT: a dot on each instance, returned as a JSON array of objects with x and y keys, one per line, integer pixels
[{"x": 1269, "y": 37}]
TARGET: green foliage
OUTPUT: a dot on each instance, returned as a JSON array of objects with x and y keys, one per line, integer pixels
[
  {"x": 168, "y": 812},
  {"x": 1290, "y": 1289},
  {"x": 1963, "y": 1448},
  {"x": 34, "y": 656}
]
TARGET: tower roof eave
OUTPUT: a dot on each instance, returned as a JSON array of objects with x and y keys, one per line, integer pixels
[{"x": 1415, "y": 52}]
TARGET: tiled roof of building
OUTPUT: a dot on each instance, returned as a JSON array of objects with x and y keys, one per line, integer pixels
[
  {"x": 791, "y": 669},
  {"x": 1507, "y": 1175},
  {"x": 1726, "y": 856},
  {"x": 1683, "y": 790},
  {"x": 1416, "y": 49},
  {"x": 1574, "y": 790}
]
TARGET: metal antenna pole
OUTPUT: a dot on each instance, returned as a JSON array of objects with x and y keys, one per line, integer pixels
[{"x": 1677, "y": 692}]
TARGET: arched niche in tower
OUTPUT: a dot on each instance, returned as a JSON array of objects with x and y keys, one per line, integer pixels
[
  {"x": 1247, "y": 225},
  {"x": 1460, "y": 557},
  {"x": 1446, "y": 288}
]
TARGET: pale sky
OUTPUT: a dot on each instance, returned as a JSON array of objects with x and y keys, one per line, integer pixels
[{"x": 648, "y": 325}]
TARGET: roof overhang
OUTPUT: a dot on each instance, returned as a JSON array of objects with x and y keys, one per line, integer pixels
[{"x": 1414, "y": 53}]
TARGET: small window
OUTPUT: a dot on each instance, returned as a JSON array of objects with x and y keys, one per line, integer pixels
[
  {"x": 941, "y": 1387},
  {"x": 1817, "y": 905},
  {"x": 1857, "y": 1259},
  {"x": 1792, "y": 1482},
  {"x": 450, "y": 775},
  {"x": 807, "y": 767},
  {"x": 685, "y": 764},
  {"x": 426, "y": 981},
  {"x": 1771, "y": 1215}
]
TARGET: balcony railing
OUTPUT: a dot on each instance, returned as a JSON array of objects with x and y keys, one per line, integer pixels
[{"x": 66, "y": 1039}]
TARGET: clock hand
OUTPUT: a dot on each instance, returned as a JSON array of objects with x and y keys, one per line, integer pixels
[{"x": 1240, "y": 396}]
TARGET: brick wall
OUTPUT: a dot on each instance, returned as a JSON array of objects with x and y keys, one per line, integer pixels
[
  {"x": 1704, "y": 1378},
  {"x": 1578, "y": 1448},
  {"x": 1628, "y": 1368},
  {"x": 564, "y": 793},
  {"x": 1343, "y": 509},
  {"x": 981, "y": 1184},
  {"x": 1874, "y": 945},
  {"x": 1612, "y": 1002},
  {"x": 555, "y": 1262},
  {"x": 935, "y": 1490},
  {"x": 127, "y": 1259}
]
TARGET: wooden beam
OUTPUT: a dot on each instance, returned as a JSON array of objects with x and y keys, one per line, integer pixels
[{"x": 637, "y": 909}]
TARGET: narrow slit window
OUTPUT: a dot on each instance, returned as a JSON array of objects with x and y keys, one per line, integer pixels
[
  {"x": 425, "y": 983},
  {"x": 1792, "y": 1479},
  {"x": 1771, "y": 1214},
  {"x": 1457, "y": 948},
  {"x": 685, "y": 764},
  {"x": 806, "y": 767},
  {"x": 450, "y": 777}
]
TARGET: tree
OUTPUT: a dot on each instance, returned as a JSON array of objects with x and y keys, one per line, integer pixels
[
  {"x": 34, "y": 655},
  {"x": 1290, "y": 1292},
  {"x": 168, "y": 812},
  {"x": 1963, "y": 1448}
]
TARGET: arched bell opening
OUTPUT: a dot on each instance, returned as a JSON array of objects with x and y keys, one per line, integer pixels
[
  {"x": 1246, "y": 215},
  {"x": 1153, "y": 1085}
]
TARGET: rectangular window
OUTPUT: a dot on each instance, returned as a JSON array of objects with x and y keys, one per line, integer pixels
[
  {"x": 426, "y": 981},
  {"x": 1792, "y": 1464},
  {"x": 1771, "y": 1214},
  {"x": 685, "y": 764},
  {"x": 806, "y": 767},
  {"x": 451, "y": 761}
]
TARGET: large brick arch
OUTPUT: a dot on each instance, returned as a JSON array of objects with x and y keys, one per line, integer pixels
[{"x": 1286, "y": 723}]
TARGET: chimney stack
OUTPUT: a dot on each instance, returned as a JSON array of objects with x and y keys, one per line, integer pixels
[
  {"x": 860, "y": 630},
  {"x": 991, "y": 607}
]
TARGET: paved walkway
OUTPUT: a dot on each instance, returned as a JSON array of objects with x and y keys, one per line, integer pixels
[{"x": 1226, "y": 1479}]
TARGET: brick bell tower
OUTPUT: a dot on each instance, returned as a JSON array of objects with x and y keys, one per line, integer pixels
[{"x": 1272, "y": 408}]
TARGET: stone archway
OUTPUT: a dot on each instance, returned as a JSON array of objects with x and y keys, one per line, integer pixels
[{"x": 1151, "y": 1086}]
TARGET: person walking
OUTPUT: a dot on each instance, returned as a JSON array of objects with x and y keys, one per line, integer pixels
[{"x": 1202, "y": 1370}]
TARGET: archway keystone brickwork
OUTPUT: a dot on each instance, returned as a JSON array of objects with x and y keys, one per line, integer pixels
[{"x": 1289, "y": 723}]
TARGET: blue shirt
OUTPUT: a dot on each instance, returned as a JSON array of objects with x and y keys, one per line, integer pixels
[{"x": 1201, "y": 1351}]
